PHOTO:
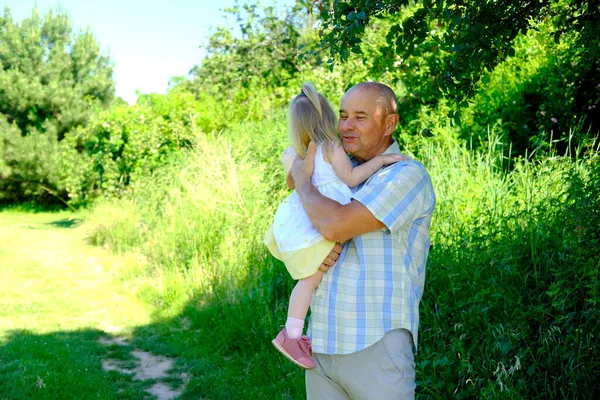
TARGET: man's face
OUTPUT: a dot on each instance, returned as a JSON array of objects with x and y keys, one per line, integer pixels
[{"x": 362, "y": 124}]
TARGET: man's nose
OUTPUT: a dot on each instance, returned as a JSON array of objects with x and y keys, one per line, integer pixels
[{"x": 347, "y": 124}]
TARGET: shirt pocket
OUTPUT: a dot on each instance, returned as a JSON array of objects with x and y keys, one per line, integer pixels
[{"x": 333, "y": 280}]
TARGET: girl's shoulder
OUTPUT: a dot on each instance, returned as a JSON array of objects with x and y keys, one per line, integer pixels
[{"x": 329, "y": 148}]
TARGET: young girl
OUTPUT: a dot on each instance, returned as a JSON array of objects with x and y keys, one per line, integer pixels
[{"x": 292, "y": 238}]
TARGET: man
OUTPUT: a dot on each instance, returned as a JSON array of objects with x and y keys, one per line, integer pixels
[{"x": 364, "y": 315}]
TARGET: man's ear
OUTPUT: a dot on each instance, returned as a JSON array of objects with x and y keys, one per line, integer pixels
[{"x": 390, "y": 123}]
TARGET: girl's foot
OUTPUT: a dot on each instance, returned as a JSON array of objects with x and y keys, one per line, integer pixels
[{"x": 297, "y": 350}]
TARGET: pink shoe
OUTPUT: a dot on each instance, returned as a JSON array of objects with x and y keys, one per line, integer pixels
[{"x": 297, "y": 350}]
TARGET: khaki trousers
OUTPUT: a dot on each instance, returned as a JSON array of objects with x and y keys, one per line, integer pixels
[{"x": 382, "y": 371}]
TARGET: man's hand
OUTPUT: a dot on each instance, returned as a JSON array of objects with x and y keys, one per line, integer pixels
[
  {"x": 331, "y": 258},
  {"x": 304, "y": 168}
]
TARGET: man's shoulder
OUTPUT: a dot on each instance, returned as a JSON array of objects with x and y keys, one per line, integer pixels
[
  {"x": 398, "y": 179},
  {"x": 401, "y": 170}
]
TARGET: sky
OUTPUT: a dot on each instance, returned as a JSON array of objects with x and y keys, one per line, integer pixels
[{"x": 149, "y": 41}]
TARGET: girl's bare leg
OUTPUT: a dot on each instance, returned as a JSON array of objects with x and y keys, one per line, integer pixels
[{"x": 299, "y": 303}]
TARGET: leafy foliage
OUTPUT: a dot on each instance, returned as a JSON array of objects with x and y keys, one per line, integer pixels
[
  {"x": 545, "y": 92},
  {"x": 51, "y": 80},
  {"x": 476, "y": 35},
  {"x": 512, "y": 287},
  {"x": 50, "y": 75},
  {"x": 452, "y": 45},
  {"x": 512, "y": 284},
  {"x": 250, "y": 75},
  {"x": 29, "y": 165},
  {"x": 124, "y": 143}
]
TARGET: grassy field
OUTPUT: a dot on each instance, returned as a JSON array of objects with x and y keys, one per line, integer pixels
[
  {"x": 178, "y": 270},
  {"x": 68, "y": 308},
  {"x": 510, "y": 307},
  {"x": 62, "y": 302}
]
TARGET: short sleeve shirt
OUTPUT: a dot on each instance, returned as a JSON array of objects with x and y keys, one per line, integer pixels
[{"x": 377, "y": 283}]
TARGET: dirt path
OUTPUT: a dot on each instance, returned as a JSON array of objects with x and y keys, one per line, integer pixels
[{"x": 51, "y": 281}]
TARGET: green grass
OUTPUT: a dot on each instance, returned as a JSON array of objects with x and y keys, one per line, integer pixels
[
  {"x": 512, "y": 277},
  {"x": 58, "y": 297},
  {"x": 510, "y": 309},
  {"x": 221, "y": 300}
]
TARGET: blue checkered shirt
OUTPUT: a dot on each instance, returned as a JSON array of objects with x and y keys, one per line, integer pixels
[{"x": 378, "y": 281}]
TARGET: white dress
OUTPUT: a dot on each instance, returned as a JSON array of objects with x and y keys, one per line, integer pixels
[{"x": 292, "y": 231}]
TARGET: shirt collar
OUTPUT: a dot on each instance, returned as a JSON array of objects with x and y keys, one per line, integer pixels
[{"x": 393, "y": 149}]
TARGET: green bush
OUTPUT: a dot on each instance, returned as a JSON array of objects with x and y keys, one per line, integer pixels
[
  {"x": 512, "y": 287},
  {"x": 124, "y": 143},
  {"x": 511, "y": 277},
  {"x": 251, "y": 74},
  {"x": 49, "y": 75},
  {"x": 29, "y": 165},
  {"x": 51, "y": 81},
  {"x": 547, "y": 91}
]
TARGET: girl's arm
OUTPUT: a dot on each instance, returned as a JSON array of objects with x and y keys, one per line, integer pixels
[
  {"x": 287, "y": 158},
  {"x": 353, "y": 176}
]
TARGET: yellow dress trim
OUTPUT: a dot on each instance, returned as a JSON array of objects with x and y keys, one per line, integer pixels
[{"x": 300, "y": 263}]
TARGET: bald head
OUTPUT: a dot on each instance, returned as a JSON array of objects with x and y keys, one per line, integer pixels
[{"x": 386, "y": 98}]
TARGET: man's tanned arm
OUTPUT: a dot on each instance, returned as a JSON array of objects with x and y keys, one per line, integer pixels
[{"x": 336, "y": 222}]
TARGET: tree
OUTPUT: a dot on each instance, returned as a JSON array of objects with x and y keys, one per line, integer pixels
[
  {"x": 48, "y": 75},
  {"x": 51, "y": 80},
  {"x": 255, "y": 67},
  {"x": 467, "y": 37}
]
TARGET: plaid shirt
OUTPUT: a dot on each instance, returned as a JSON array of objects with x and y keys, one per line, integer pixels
[{"x": 377, "y": 282}]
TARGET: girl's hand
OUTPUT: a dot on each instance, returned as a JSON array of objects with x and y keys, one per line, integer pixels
[
  {"x": 393, "y": 158},
  {"x": 287, "y": 158}
]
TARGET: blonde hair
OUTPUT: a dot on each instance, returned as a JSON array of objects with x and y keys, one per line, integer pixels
[{"x": 311, "y": 119}]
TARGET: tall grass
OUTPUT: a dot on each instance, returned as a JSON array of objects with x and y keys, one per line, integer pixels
[
  {"x": 512, "y": 276},
  {"x": 510, "y": 309},
  {"x": 200, "y": 222}
]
